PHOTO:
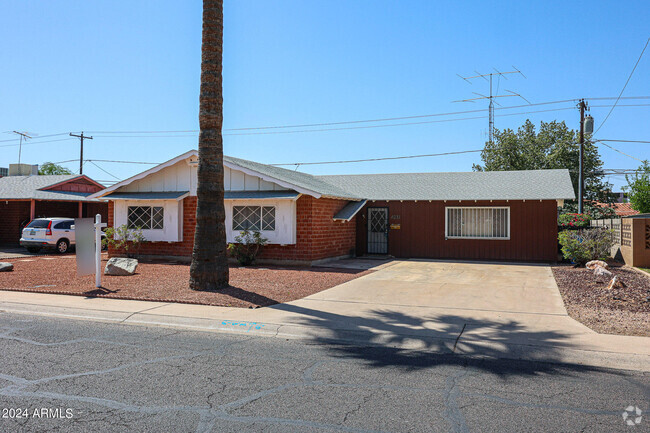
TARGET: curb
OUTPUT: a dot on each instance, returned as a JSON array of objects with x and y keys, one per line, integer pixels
[{"x": 461, "y": 346}]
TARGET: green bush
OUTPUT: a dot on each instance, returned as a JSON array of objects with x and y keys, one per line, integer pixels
[
  {"x": 124, "y": 238},
  {"x": 573, "y": 220},
  {"x": 581, "y": 246},
  {"x": 246, "y": 247}
]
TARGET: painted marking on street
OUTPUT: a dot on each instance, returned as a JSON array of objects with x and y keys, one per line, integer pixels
[{"x": 247, "y": 325}]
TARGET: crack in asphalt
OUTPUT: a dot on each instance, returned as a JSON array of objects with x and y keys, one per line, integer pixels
[{"x": 208, "y": 416}]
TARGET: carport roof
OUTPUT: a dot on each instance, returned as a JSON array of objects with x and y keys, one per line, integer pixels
[
  {"x": 490, "y": 185},
  {"x": 30, "y": 187}
]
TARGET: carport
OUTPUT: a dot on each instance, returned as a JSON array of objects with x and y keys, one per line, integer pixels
[{"x": 23, "y": 198}]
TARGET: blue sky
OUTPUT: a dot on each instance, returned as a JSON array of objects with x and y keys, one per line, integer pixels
[{"x": 134, "y": 66}]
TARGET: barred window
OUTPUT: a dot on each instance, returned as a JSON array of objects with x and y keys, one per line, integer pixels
[
  {"x": 478, "y": 222},
  {"x": 256, "y": 218},
  {"x": 146, "y": 217}
]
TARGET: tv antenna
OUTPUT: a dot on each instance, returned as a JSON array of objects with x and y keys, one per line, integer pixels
[
  {"x": 492, "y": 97},
  {"x": 23, "y": 136}
]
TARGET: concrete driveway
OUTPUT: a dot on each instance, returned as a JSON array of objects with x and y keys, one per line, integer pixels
[{"x": 486, "y": 287}]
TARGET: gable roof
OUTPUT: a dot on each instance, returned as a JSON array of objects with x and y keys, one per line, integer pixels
[
  {"x": 492, "y": 185},
  {"x": 293, "y": 178},
  {"x": 301, "y": 182},
  {"x": 32, "y": 187},
  {"x": 489, "y": 185}
]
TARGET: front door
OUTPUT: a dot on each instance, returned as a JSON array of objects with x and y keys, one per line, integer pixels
[{"x": 377, "y": 230}]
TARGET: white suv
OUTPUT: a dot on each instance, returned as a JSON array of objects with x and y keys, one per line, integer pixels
[{"x": 55, "y": 233}]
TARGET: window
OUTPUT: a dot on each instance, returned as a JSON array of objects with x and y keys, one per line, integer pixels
[
  {"x": 145, "y": 217},
  {"x": 39, "y": 224},
  {"x": 478, "y": 222},
  {"x": 64, "y": 225},
  {"x": 256, "y": 218}
]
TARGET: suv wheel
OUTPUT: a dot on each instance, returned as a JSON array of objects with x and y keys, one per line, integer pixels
[{"x": 62, "y": 246}]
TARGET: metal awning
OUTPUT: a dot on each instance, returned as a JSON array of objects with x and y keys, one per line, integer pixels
[
  {"x": 349, "y": 210},
  {"x": 261, "y": 195},
  {"x": 160, "y": 195}
]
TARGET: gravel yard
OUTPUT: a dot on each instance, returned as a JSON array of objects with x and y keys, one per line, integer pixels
[
  {"x": 624, "y": 311},
  {"x": 168, "y": 282}
]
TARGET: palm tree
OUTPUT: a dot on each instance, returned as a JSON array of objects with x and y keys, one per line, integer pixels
[{"x": 209, "y": 269}]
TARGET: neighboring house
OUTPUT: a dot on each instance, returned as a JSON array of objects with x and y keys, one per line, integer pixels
[
  {"x": 477, "y": 215},
  {"x": 621, "y": 208},
  {"x": 624, "y": 209},
  {"x": 23, "y": 198}
]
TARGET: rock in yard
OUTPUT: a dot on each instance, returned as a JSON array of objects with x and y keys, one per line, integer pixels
[
  {"x": 596, "y": 263},
  {"x": 120, "y": 266},
  {"x": 616, "y": 283},
  {"x": 602, "y": 274},
  {"x": 6, "y": 267}
]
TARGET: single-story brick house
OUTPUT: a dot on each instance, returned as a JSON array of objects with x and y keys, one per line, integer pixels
[
  {"x": 23, "y": 198},
  {"x": 492, "y": 215}
]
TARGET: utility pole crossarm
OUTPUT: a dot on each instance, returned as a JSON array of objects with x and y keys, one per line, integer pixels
[{"x": 81, "y": 150}]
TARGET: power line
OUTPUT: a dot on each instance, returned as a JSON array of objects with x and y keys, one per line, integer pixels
[
  {"x": 36, "y": 138},
  {"x": 367, "y": 126},
  {"x": 623, "y": 89},
  {"x": 625, "y": 141},
  {"x": 616, "y": 150},
  {"x": 385, "y": 119},
  {"x": 37, "y": 142},
  {"x": 380, "y": 159},
  {"x": 110, "y": 174}
]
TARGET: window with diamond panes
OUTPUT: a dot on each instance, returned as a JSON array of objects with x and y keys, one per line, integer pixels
[
  {"x": 253, "y": 218},
  {"x": 268, "y": 218},
  {"x": 146, "y": 217}
]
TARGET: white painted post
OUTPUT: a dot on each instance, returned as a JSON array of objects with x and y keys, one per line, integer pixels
[{"x": 98, "y": 249}]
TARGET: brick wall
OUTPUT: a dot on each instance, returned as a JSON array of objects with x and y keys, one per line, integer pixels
[
  {"x": 317, "y": 235},
  {"x": 183, "y": 248}
]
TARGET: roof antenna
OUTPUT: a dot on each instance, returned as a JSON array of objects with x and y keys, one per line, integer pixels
[{"x": 492, "y": 97}]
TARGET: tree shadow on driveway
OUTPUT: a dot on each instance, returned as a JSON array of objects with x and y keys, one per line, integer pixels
[{"x": 384, "y": 338}]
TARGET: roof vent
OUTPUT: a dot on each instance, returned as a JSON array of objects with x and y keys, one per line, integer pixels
[{"x": 23, "y": 170}]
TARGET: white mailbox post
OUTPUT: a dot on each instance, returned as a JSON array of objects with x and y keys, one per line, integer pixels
[{"x": 99, "y": 225}]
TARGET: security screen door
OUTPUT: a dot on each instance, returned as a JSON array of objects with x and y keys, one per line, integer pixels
[{"x": 377, "y": 230}]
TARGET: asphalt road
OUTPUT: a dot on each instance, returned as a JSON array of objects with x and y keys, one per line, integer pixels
[{"x": 61, "y": 375}]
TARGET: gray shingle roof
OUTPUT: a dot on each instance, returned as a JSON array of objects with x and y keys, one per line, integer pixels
[
  {"x": 491, "y": 185},
  {"x": 303, "y": 180},
  {"x": 28, "y": 187}
]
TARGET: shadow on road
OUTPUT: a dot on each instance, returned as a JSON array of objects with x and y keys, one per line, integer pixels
[{"x": 386, "y": 332}]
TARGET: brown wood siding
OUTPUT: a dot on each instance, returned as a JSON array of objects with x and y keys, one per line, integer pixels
[{"x": 533, "y": 231}]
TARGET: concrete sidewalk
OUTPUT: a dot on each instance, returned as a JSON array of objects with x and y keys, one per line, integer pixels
[{"x": 330, "y": 316}]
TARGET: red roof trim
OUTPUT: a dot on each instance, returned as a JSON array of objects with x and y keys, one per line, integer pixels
[{"x": 82, "y": 176}]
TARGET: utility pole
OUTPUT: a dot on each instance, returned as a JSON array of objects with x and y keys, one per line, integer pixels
[
  {"x": 589, "y": 123},
  {"x": 81, "y": 151},
  {"x": 491, "y": 97},
  {"x": 20, "y": 146}
]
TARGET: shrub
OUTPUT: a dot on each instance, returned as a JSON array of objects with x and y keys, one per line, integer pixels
[
  {"x": 125, "y": 239},
  {"x": 246, "y": 247},
  {"x": 581, "y": 246},
  {"x": 573, "y": 220}
]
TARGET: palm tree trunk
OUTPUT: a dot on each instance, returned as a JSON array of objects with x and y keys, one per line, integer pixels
[{"x": 209, "y": 269}]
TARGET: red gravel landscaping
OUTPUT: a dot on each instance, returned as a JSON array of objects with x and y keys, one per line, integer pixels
[
  {"x": 624, "y": 311},
  {"x": 256, "y": 286}
]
